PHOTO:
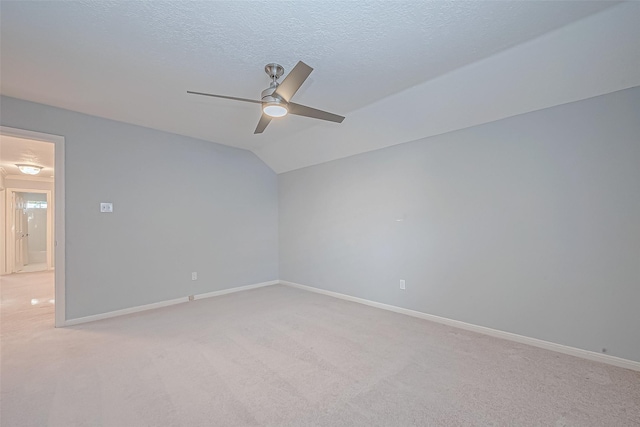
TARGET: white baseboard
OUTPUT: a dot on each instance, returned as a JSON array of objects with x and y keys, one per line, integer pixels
[
  {"x": 160, "y": 304},
  {"x": 572, "y": 351},
  {"x": 238, "y": 289},
  {"x": 124, "y": 311}
]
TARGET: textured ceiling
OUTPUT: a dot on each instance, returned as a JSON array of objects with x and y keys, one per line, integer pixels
[
  {"x": 25, "y": 151},
  {"x": 134, "y": 61}
]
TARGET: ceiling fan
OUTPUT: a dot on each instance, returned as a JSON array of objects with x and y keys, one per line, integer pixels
[{"x": 276, "y": 99}]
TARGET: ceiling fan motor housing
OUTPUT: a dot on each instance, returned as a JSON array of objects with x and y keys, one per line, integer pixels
[{"x": 267, "y": 95}]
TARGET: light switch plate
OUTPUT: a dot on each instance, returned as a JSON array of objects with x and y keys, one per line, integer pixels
[{"x": 106, "y": 207}]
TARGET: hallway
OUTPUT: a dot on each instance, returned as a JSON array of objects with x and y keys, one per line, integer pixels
[{"x": 26, "y": 302}]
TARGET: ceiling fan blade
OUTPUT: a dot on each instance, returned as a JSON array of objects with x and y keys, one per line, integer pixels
[
  {"x": 293, "y": 81},
  {"x": 302, "y": 110},
  {"x": 262, "y": 124},
  {"x": 225, "y": 97}
]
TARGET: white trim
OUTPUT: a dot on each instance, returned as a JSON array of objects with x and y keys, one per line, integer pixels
[
  {"x": 238, "y": 289},
  {"x": 124, "y": 311},
  {"x": 572, "y": 351},
  {"x": 30, "y": 178},
  {"x": 161, "y": 304},
  {"x": 59, "y": 215}
]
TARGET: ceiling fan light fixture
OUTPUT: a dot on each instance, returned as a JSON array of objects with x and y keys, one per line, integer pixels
[
  {"x": 275, "y": 109},
  {"x": 276, "y": 99},
  {"x": 29, "y": 169}
]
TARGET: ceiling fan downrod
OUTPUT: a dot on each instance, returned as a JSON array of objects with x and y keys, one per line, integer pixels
[{"x": 274, "y": 71}]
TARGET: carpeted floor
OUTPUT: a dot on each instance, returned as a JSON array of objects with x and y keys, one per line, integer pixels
[{"x": 279, "y": 356}]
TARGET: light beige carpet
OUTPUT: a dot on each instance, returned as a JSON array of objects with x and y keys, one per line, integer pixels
[{"x": 278, "y": 356}]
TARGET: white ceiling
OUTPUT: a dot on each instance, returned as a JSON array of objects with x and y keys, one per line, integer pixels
[
  {"x": 25, "y": 151},
  {"x": 134, "y": 62}
]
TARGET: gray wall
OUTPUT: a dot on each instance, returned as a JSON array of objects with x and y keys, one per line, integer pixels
[
  {"x": 530, "y": 225},
  {"x": 180, "y": 205}
]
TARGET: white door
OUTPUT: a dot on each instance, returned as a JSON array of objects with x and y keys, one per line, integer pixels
[{"x": 20, "y": 224}]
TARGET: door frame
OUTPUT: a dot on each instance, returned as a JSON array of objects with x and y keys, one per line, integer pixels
[
  {"x": 59, "y": 215},
  {"x": 10, "y": 216}
]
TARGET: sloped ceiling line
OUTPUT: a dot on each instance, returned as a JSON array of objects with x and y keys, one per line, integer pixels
[{"x": 440, "y": 65}]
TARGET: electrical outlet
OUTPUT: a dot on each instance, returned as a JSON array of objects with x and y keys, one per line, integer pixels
[
  {"x": 194, "y": 276},
  {"x": 402, "y": 284},
  {"x": 191, "y": 298},
  {"x": 106, "y": 207}
]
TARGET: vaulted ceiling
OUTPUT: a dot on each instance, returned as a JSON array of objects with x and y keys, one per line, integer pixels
[{"x": 398, "y": 71}]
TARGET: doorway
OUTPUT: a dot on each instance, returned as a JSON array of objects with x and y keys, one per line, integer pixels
[
  {"x": 29, "y": 217},
  {"x": 32, "y": 234}
]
